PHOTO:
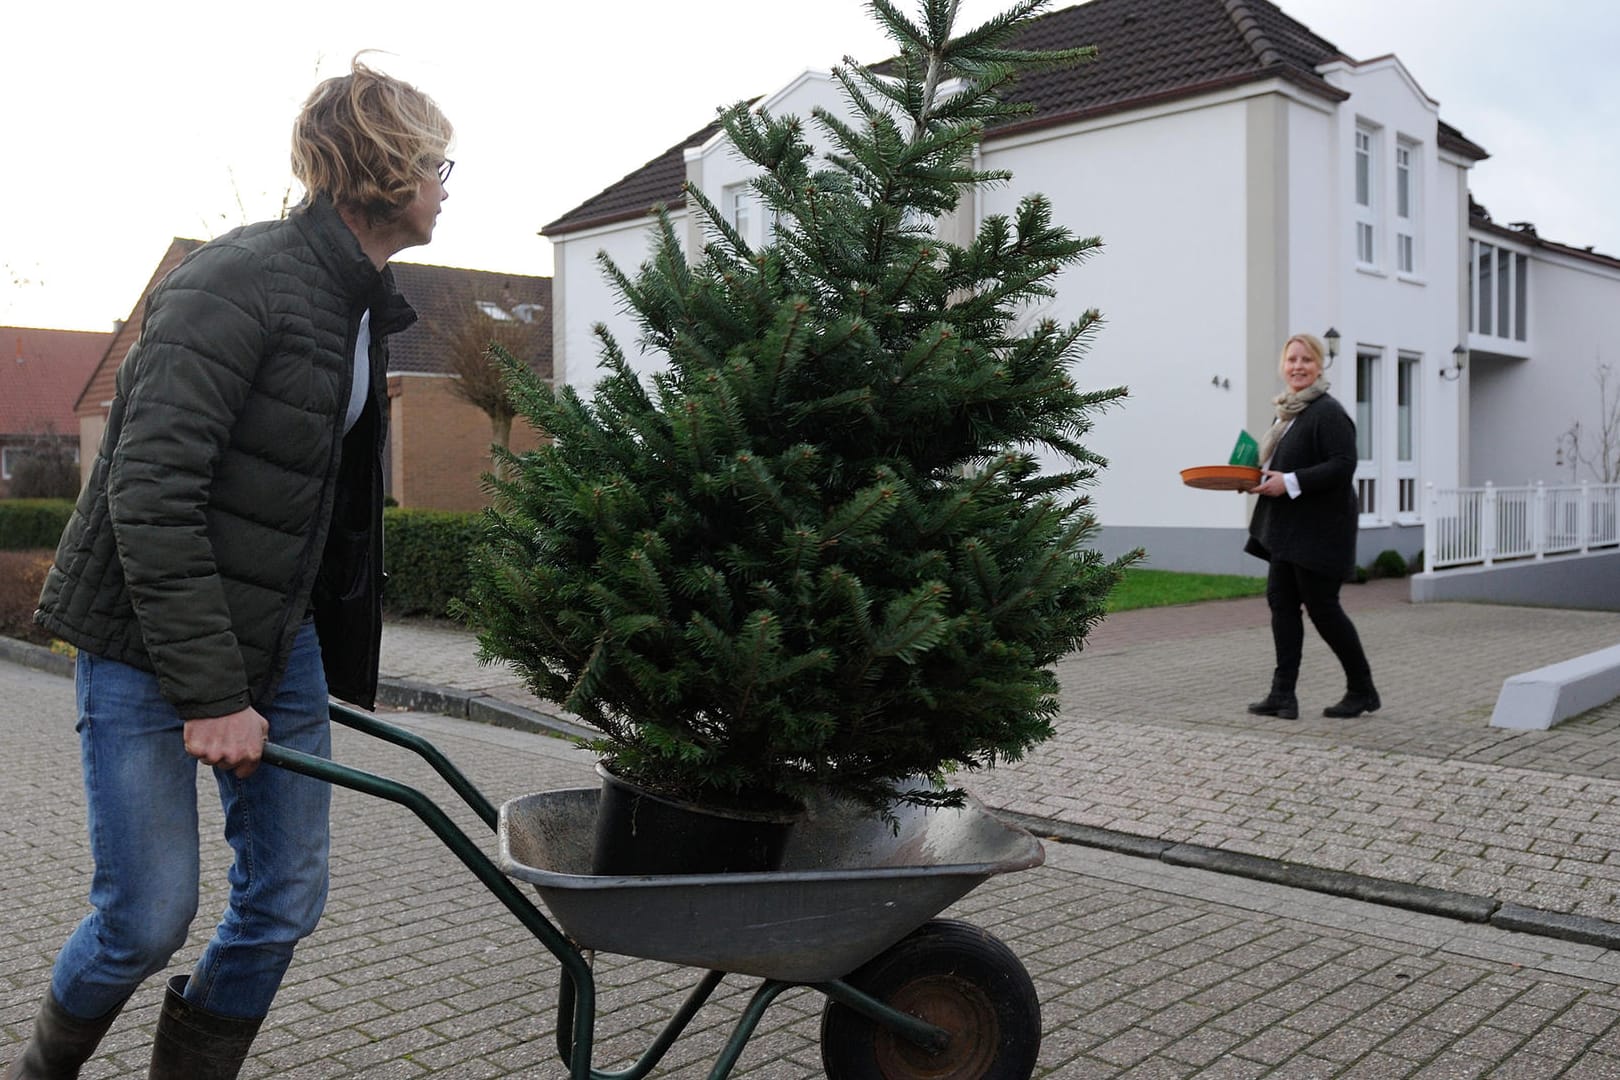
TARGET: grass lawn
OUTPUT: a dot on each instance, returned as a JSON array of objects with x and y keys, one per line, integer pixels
[{"x": 1161, "y": 588}]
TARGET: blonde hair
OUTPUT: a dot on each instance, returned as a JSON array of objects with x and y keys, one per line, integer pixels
[
  {"x": 1311, "y": 342},
  {"x": 367, "y": 141}
]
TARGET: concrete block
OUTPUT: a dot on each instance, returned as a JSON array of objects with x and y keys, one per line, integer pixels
[{"x": 1536, "y": 700}]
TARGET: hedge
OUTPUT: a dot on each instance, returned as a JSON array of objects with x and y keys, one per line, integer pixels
[
  {"x": 425, "y": 554},
  {"x": 22, "y": 575},
  {"x": 424, "y": 551},
  {"x": 27, "y": 524}
]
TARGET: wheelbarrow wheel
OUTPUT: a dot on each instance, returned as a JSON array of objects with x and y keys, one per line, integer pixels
[{"x": 955, "y": 976}]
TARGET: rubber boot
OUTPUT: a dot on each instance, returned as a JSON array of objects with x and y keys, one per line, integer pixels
[
  {"x": 1360, "y": 698},
  {"x": 195, "y": 1044},
  {"x": 60, "y": 1044},
  {"x": 1280, "y": 702}
]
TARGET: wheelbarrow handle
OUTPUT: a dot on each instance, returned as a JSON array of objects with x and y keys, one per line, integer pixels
[
  {"x": 471, "y": 855},
  {"x": 370, "y": 725}
]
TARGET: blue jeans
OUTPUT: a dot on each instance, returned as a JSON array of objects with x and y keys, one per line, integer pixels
[{"x": 141, "y": 791}]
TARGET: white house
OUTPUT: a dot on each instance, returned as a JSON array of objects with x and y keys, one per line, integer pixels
[{"x": 1248, "y": 181}]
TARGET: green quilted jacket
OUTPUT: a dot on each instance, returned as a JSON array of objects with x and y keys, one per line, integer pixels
[{"x": 225, "y": 500}]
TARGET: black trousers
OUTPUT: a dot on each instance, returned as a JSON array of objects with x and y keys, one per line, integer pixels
[{"x": 1290, "y": 587}]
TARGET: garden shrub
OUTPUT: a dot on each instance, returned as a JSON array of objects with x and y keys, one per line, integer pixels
[
  {"x": 1389, "y": 564},
  {"x": 22, "y": 575},
  {"x": 425, "y": 555},
  {"x": 33, "y": 523}
]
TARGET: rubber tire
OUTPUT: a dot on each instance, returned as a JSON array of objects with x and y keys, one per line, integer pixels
[{"x": 957, "y": 976}]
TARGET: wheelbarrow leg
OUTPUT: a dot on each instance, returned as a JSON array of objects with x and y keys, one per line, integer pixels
[
  {"x": 572, "y": 1029},
  {"x": 744, "y": 1030}
]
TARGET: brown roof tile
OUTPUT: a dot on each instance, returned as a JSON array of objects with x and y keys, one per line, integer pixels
[
  {"x": 438, "y": 293},
  {"x": 443, "y": 294},
  {"x": 1449, "y": 138},
  {"x": 658, "y": 181},
  {"x": 1524, "y": 232},
  {"x": 1148, "y": 51},
  {"x": 41, "y": 373}
]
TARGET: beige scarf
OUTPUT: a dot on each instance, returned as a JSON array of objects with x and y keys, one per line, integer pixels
[{"x": 1289, "y": 405}]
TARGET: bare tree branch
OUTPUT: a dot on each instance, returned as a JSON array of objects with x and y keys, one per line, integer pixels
[
  {"x": 466, "y": 339},
  {"x": 1597, "y": 448}
]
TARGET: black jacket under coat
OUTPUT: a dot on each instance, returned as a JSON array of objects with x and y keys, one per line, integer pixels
[
  {"x": 226, "y": 500},
  {"x": 1316, "y": 531}
]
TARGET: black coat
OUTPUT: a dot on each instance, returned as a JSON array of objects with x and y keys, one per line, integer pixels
[
  {"x": 225, "y": 483},
  {"x": 1316, "y": 531}
]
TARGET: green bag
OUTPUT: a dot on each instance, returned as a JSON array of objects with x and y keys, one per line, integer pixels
[{"x": 1246, "y": 452}]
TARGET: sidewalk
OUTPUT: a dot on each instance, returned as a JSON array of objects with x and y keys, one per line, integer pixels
[
  {"x": 1145, "y": 967},
  {"x": 1155, "y": 754}
]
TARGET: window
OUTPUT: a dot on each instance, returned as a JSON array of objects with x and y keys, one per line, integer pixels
[
  {"x": 1367, "y": 472},
  {"x": 1366, "y": 198},
  {"x": 1366, "y": 372},
  {"x": 1406, "y": 432},
  {"x": 1498, "y": 291},
  {"x": 739, "y": 205},
  {"x": 1407, "y": 207},
  {"x": 1504, "y": 286},
  {"x": 12, "y": 458},
  {"x": 1521, "y": 266}
]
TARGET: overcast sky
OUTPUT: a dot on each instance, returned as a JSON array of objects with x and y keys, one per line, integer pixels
[{"x": 146, "y": 122}]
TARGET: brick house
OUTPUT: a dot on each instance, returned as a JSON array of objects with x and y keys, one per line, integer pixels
[
  {"x": 438, "y": 443},
  {"x": 40, "y": 375},
  {"x": 95, "y": 399}
]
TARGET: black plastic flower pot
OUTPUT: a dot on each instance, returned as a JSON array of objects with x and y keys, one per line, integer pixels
[{"x": 639, "y": 833}]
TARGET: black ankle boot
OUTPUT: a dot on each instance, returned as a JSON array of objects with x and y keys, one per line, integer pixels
[
  {"x": 1280, "y": 702},
  {"x": 1354, "y": 703},
  {"x": 195, "y": 1044},
  {"x": 60, "y": 1044}
]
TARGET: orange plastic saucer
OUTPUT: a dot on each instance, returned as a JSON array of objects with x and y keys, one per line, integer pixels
[{"x": 1221, "y": 477}]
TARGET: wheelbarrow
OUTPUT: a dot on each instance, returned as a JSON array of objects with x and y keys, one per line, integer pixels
[{"x": 850, "y": 914}]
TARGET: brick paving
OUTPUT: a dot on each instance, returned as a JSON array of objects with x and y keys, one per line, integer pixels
[
  {"x": 1154, "y": 742},
  {"x": 1144, "y": 969}
]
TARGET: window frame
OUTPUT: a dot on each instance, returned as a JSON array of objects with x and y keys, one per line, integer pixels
[
  {"x": 1364, "y": 194},
  {"x": 1369, "y": 438},
  {"x": 1408, "y": 430},
  {"x": 1408, "y": 208},
  {"x": 740, "y": 204},
  {"x": 1498, "y": 291}
]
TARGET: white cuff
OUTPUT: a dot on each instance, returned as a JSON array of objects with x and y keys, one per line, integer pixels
[{"x": 1291, "y": 482}]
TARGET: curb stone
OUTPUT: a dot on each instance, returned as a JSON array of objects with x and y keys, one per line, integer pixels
[
  {"x": 1464, "y": 907},
  {"x": 1582, "y": 929},
  {"x": 38, "y": 657},
  {"x": 479, "y": 708},
  {"x": 1421, "y": 898}
]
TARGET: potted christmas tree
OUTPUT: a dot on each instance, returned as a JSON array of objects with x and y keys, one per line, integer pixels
[{"x": 817, "y": 552}]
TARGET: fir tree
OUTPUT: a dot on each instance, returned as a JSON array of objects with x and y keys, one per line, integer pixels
[{"x": 817, "y": 550}]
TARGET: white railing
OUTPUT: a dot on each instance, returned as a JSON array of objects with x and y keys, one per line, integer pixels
[{"x": 1491, "y": 524}]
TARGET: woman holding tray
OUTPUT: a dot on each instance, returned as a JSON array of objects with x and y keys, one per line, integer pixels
[{"x": 1304, "y": 526}]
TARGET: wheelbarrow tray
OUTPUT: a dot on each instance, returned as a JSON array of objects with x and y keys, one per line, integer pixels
[{"x": 849, "y": 887}]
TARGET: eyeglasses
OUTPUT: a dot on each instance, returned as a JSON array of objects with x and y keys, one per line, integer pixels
[{"x": 444, "y": 170}]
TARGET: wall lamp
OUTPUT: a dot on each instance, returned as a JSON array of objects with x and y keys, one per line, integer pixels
[
  {"x": 1331, "y": 338},
  {"x": 1459, "y": 360}
]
